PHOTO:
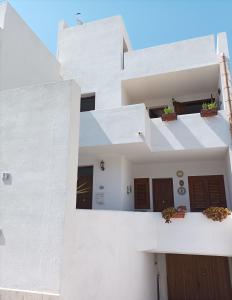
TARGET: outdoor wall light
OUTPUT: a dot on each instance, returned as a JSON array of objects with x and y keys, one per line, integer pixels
[
  {"x": 6, "y": 178},
  {"x": 102, "y": 165}
]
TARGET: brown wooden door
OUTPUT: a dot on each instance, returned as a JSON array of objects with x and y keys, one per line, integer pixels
[
  {"x": 84, "y": 187},
  {"x": 206, "y": 191},
  {"x": 142, "y": 193},
  {"x": 196, "y": 277},
  {"x": 162, "y": 193}
]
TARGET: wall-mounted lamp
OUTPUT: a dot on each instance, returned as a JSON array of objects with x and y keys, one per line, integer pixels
[
  {"x": 102, "y": 165},
  {"x": 6, "y": 178}
]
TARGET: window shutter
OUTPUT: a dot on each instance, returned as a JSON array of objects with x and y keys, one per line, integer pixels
[
  {"x": 216, "y": 191},
  {"x": 142, "y": 193}
]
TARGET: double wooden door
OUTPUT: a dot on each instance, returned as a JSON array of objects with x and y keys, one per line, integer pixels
[
  {"x": 206, "y": 191},
  {"x": 84, "y": 188},
  {"x": 196, "y": 277},
  {"x": 162, "y": 193}
]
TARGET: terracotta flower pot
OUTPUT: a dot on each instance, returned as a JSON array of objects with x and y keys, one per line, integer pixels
[
  {"x": 169, "y": 117},
  {"x": 179, "y": 215},
  {"x": 208, "y": 112}
]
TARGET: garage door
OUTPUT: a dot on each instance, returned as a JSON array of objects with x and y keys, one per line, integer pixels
[{"x": 196, "y": 277}]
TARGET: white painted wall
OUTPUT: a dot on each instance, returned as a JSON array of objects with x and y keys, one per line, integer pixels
[
  {"x": 190, "y": 168},
  {"x": 39, "y": 148},
  {"x": 112, "y": 256},
  {"x": 6, "y": 294},
  {"x": 112, "y": 126},
  {"x": 127, "y": 183},
  {"x": 190, "y": 132},
  {"x": 194, "y": 53},
  {"x": 91, "y": 53},
  {"x": 114, "y": 180},
  {"x": 121, "y": 126},
  {"x": 24, "y": 60},
  {"x": 102, "y": 260}
]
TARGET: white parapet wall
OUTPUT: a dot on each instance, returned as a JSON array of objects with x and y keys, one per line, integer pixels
[
  {"x": 108, "y": 244},
  {"x": 187, "y": 54},
  {"x": 190, "y": 132},
  {"x": 39, "y": 152},
  {"x": 119, "y": 125}
]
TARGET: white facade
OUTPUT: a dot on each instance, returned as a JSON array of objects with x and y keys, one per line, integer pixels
[
  {"x": 48, "y": 248},
  {"x": 24, "y": 59},
  {"x": 126, "y": 84}
]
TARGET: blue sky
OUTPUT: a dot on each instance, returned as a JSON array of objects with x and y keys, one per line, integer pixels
[{"x": 148, "y": 22}]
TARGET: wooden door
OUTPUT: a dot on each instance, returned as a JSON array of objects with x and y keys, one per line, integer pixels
[
  {"x": 84, "y": 188},
  {"x": 196, "y": 277},
  {"x": 206, "y": 191},
  {"x": 141, "y": 193},
  {"x": 162, "y": 193}
]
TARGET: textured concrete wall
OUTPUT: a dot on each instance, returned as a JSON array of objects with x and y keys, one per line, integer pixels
[
  {"x": 39, "y": 148},
  {"x": 6, "y": 294},
  {"x": 24, "y": 60},
  {"x": 92, "y": 54}
]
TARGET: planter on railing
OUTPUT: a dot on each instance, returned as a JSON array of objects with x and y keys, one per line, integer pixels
[
  {"x": 169, "y": 114},
  {"x": 209, "y": 109},
  {"x": 217, "y": 213},
  {"x": 173, "y": 213},
  {"x": 208, "y": 112},
  {"x": 169, "y": 117}
]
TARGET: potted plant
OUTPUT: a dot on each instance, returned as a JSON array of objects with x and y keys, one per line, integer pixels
[
  {"x": 180, "y": 211},
  {"x": 209, "y": 109},
  {"x": 217, "y": 213},
  {"x": 172, "y": 212},
  {"x": 169, "y": 114}
]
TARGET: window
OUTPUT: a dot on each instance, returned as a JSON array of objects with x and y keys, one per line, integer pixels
[
  {"x": 156, "y": 112},
  {"x": 87, "y": 103}
]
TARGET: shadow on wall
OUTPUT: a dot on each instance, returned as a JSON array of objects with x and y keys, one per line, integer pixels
[
  {"x": 220, "y": 126},
  {"x": 93, "y": 134},
  {"x": 190, "y": 133},
  {"x": 2, "y": 238}
]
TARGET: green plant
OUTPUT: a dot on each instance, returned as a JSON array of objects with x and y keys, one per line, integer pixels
[
  {"x": 168, "y": 110},
  {"x": 217, "y": 213},
  {"x": 82, "y": 188},
  {"x": 211, "y": 105},
  {"x": 204, "y": 105},
  {"x": 169, "y": 213}
]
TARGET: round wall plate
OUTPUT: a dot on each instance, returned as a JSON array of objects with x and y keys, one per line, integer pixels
[
  {"x": 181, "y": 190},
  {"x": 181, "y": 182},
  {"x": 180, "y": 173}
]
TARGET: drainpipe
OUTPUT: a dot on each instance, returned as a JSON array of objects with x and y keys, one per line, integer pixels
[{"x": 226, "y": 86}]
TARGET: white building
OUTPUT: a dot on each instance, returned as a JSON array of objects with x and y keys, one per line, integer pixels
[{"x": 111, "y": 242}]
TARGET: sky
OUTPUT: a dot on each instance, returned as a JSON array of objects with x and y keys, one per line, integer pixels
[{"x": 148, "y": 22}]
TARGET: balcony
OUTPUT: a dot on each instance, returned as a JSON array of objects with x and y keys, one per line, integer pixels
[
  {"x": 190, "y": 132},
  {"x": 113, "y": 126},
  {"x": 148, "y": 232},
  {"x": 178, "y": 56}
]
